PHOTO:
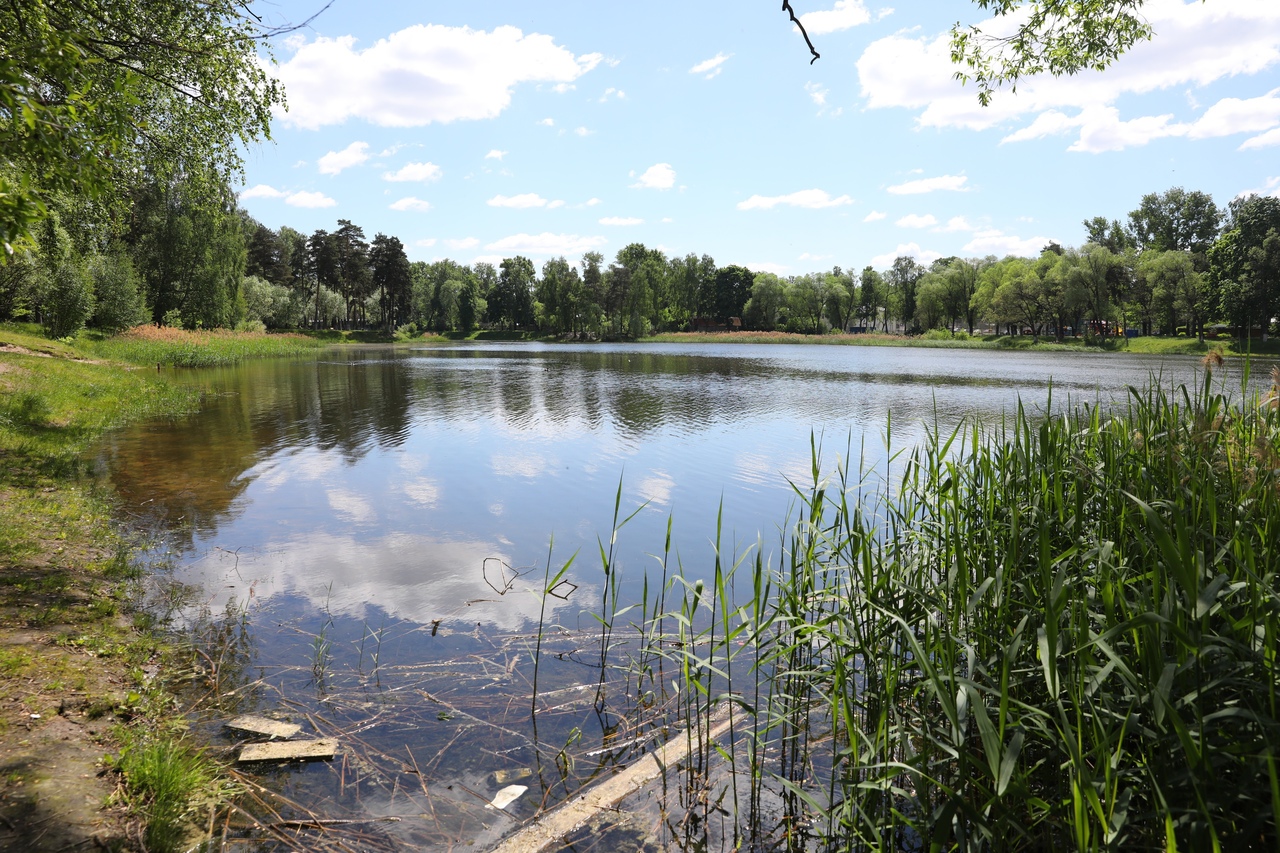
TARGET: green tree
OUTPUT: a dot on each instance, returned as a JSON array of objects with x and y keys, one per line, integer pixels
[
  {"x": 1176, "y": 221},
  {"x": 1061, "y": 37},
  {"x": 389, "y": 268},
  {"x": 99, "y": 92},
  {"x": 1179, "y": 287},
  {"x": 902, "y": 279},
  {"x": 1244, "y": 264},
  {"x": 765, "y": 305},
  {"x": 842, "y": 298},
  {"x": 117, "y": 292},
  {"x": 870, "y": 297}
]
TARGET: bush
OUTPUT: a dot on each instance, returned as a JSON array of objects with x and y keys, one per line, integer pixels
[
  {"x": 115, "y": 286},
  {"x": 67, "y": 299}
]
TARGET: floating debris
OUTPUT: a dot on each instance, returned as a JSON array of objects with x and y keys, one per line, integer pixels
[
  {"x": 264, "y": 727},
  {"x": 321, "y": 748},
  {"x": 502, "y": 777},
  {"x": 507, "y": 796}
]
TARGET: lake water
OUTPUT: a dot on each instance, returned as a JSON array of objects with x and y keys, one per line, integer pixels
[{"x": 360, "y": 539}]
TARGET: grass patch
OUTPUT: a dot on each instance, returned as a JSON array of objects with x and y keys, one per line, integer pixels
[
  {"x": 166, "y": 781},
  {"x": 181, "y": 348}
]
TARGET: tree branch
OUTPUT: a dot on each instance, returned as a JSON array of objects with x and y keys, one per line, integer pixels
[{"x": 786, "y": 7}]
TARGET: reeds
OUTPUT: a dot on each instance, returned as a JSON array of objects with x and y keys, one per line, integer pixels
[
  {"x": 182, "y": 348},
  {"x": 1052, "y": 633}
]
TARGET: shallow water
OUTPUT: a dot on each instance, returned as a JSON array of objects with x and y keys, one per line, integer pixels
[{"x": 360, "y": 539}]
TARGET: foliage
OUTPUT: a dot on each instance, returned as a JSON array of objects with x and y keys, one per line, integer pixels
[
  {"x": 154, "y": 345},
  {"x": 98, "y": 92},
  {"x": 1034, "y": 36},
  {"x": 118, "y": 299},
  {"x": 1052, "y": 633}
]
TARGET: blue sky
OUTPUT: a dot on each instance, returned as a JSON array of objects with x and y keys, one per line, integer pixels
[{"x": 481, "y": 130}]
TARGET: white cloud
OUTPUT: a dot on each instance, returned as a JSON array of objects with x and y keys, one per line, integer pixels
[
  {"x": 561, "y": 88},
  {"x": 1265, "y": 140},
  {"x": 495, "y": 154},
  {"x": 954, "y": 183},
  {"x": 874, "y": 216},
  {"x": 547, "y": 122},
  {"x": 521, "y": 202},
  {"x": 845, "y": 15},
  {"x": 667, "y": 220},
  {"x": 915, "y": 220},
  {"x": 621, "y": 220},
  {"x": 335, "y": 161},
  {"x": 411, "y": 203},
  {"x": 817, "y": 94},
  {"x": 812, "y": 199},
  {"x": 420, "y": 75},
  {"x": 462, "y": 243},
  {"x": 425, "y": 242},
  {"x": 1272, "y": 188},
  {"x": 806, "y": 256},
  {"x": 905, "y": 250},
  {"x": 592, "y": 202},
  {"x": 657, "y": 177},
  {"x": 611, "y": 92},
  {"x": 546, "y": 244},
  {"x": 1230, "y": 116},
  {"x": 582, "y": 131},
  {"x": 415, "y": 172},
  {"x": 954, "y": 224},
  {"x": 306, "y": 199},
  {"x": 552, "y": 205},
  {"x": 711, "y": 67},
  {"x": 1196, "y": 44},
  {"x": 994, "y": 242},
  {"x": 767, "y": 266},
  {"x": 261, "y": 191}
]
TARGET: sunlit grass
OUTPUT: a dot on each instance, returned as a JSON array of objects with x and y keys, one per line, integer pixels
[{"x": 152, "y": 345}]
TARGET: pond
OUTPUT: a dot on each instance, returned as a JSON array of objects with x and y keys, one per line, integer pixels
[{"x": 360, "y": 542}]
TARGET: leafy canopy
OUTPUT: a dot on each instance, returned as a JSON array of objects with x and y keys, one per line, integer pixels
[{"x": 95, "y": 94}]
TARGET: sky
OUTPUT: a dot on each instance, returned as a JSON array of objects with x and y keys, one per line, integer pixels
[{"x": 481, "y": 130}]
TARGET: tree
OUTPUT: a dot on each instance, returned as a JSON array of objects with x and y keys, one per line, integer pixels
[
  {"x": 870, "y": 297},
  {"x": 1055, "y": 36},
  {"x": 1177, "y": 285},
  {"x": 389, "y": 267},
  {"x": 99, "y": 92},
  {"x": 765, "y": 305},
  {"x": 902, "y": 278},
  {"x": 1244, "y": 264},
  {"x": 732, "y": 290},
  {"x": 842, "y": 298},
  {"x": 1175, "y": 221},
  {"x": 118, "y": 300},
  {"x": 1110, "y": 234}
]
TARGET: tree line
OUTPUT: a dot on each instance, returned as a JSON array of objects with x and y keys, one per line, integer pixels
[{"x": 1177, "y": 264}]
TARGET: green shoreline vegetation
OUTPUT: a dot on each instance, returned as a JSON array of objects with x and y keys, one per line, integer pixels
[
  {"x": 1046, "y": 634},
  {"x": 68, "y": 569}
]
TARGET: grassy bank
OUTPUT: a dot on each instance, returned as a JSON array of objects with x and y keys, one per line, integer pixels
[
  {"x": 1146, "y": 345},
  {"x": 74, "y": 658},
  {"x": 1044, "y": 635},
  {"x": 154, "y": 345}
]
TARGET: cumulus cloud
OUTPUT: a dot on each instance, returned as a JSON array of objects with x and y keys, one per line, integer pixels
[
  {"x": 262, "y": 191},
  {"x": 915, "y": 220},
  {"x": 812, "y": 199},
  {"x": 335, "y": 161},
  {"x": 611, "y": 92},
  {"x": 1197, "y": 44},
  {"x": 994, "y": 242},
  {"x": 659, "y": 176},
  {"x": 547, "y": 122},
  {"x": 411, "y": 203},
  {"x": 711, "y": 67},
  {"x": 845, "y": 15},
  {"x": 520, "y": 202},
  {"x": 425, "y": 242},
  {"x": 495, "y": 154},
  {"x": 906, "y": 250},
  {"x": 309, "y": 199},
  {"x": 954, "y": 183},
  {"x": 954, "y": 224},
  {"x": 874, "y": 216},
  {"x": 545, "y": 244},
  {"x": 621, "y": 220},
  {"x": 462, "y": 243},
  {"x": 592, "y": 202},
  {"x": 415, "y": 172},
  {"x": 423, "y": 74}
]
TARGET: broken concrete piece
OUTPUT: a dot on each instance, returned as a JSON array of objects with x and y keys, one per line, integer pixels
[
  {"x": 323, "y": 747},
  {"x": 264, "y": 727},
  {"x": 507, "y": 796}
]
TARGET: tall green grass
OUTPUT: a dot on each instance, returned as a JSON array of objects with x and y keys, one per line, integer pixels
[
  {"x": 1051, "y": 633},
  {"x": 150, "y": 345}
]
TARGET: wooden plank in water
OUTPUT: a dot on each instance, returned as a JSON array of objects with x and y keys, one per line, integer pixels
[
  {"x": 264, "y": 727},
  {"x": 323, "y": 747}
]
